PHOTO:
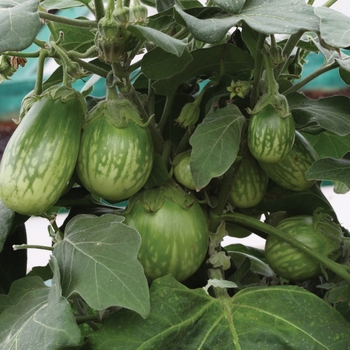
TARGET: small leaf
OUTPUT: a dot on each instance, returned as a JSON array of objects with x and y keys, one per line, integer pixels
[
  {"x": 215, "y": 144},
  {"x": 98, "y": 259},
  {"x": 19, "y": 24},
  {"x": 330, "y": 169},
  {"x": 159, "y": 64},
  {"x": 164, "y": 41},
  {"x": 334, "y": 27},
  {"x": 220, "y": 284},
  {"x": 327, "y": 144},
  {"x": 331, "y": 113},
  {"x": 159, "y": 173}
]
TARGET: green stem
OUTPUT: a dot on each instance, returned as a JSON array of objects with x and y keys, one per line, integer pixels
[
  {"x": 241, "y": 219},
  {"x": 329, "y": 3},
  {"x": 31, "y": 246},
  {"x": 166, "y": 153},
  {"x": 311, "y": 2},
  {"x": 41, "y": 43},
  {"x": 271, "y": 82},
  {"x": 90, "y": 67},
  {"x": 87, "y": 319},
  {"x": 83, "y": 23},
  {"x": 310, "y": 77},
  {"x": 99, "y": 9},
  {"x": 22, "y": 54},
  {"x": 90, "y": 52},
  {"x": 287, "y": 51},
  {"x": 66, "y": 62},
  {"x": 166, "y": 112},
  {"x": 38, "y": 89},
  {"x": 254, "y": 97}
]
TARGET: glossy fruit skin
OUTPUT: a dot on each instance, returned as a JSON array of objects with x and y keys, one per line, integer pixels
[
  {"x": 174, "y": 233},
  {"x": 290, "y": 171},
  {"x": 249, "y": 185},
  {"x": 293, "y": 264},
  {"x": 40, "y": 157},
  {"x": 116, "y": 151},
  {"x": 270, "y": 137},
  {"x": 182, "y": 172}
]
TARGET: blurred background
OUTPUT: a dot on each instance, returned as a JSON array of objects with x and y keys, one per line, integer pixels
[{"x": 12, "y": 93}]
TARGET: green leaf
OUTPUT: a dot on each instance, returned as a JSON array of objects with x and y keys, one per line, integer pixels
[
  {"x": 6, "y": 220},
  {"x": 254, "y": 318},
  {"x": 293, "y": 16},
  {"x": 306, "y": 202},
  {"x": 330, "y": 169},
  {"x": 164, "y": 41},
  {"x": 231, "y": 6},
  {"x": 215, "y": 144},
  {"x": 98, "y": 259},
  {"x": 159, "y": 64},
  {"x": 75, "y": 38},
  {"x": 327, "y": 144},
  {"x": 37, "y": 317},
  {"x": 334, "y": 27},
  {"x": 207, "y": 62},
  {"x": 331, "y": 113},
  {"x": 19, "y": 24},
  {"x": 159, "y": 173},
  {"x": 63, "y": 4}
]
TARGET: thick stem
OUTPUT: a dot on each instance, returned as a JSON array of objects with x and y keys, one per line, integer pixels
[
  {"x": 65, "y": 20},
  {"x": 271, "y": 82},
  {"x": 99, "y": 9},
  {"x": 341, "y": 270},
  {"x": 90, "y": 67},
  {"x": 310, "y": 77},
  {"x": 254, "y": 97},
  {"x": 166, "y": 112}
]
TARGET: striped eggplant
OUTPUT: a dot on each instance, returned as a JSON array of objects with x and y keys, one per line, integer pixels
[
  {"x": 116, "y": 151},
  {"x": 40, "y": 157},
  {"x": 270, "y": 137},
  {"x": 290, "y": 171},
  {"x": 249, "y": 185}
]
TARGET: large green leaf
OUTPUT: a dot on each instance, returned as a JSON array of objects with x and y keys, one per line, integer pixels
[
  {"x": 268, "y": 16},
  {"x": 209, "y": 61},
  {"x": 215, "y": 144},
  {"x": 19, "y": 24},
  {"x": 62, "y": 4},
  {"x": 98, "y": 259},
  {"x": 334, "y": 27},
  {"x": 159, "y": 64},
  {"x": 37, "y": 317},
  {"x": 331, "y": 113},
  {"x": 279, "y": 317},
  {"x": 231, "y": 6}
]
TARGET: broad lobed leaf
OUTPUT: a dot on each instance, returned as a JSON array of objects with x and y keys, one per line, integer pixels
[
  {"x": 254, "y": 318},
  {"x": 98, "y": 260}
]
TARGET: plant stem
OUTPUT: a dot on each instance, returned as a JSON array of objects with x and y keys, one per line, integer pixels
[
  {"x": 255, "y": 224},
  {"x": 22, "y": 54},
  {"x": 254, "y": 97},
  {"x": 28, "y": 246},
  {"x": 310, "y": 77},
  {"x": 90, "y": 67},
  {"x": 166, "y": 112},
  {"x": 99, "y": 9},
  {"x": 271, "y": 82},
  {"x": 69, "y": 21},
  {"x": 38, "y": 89},
  {"x": 329, "y": 3},
  {"x": 287, "y": 51}
]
